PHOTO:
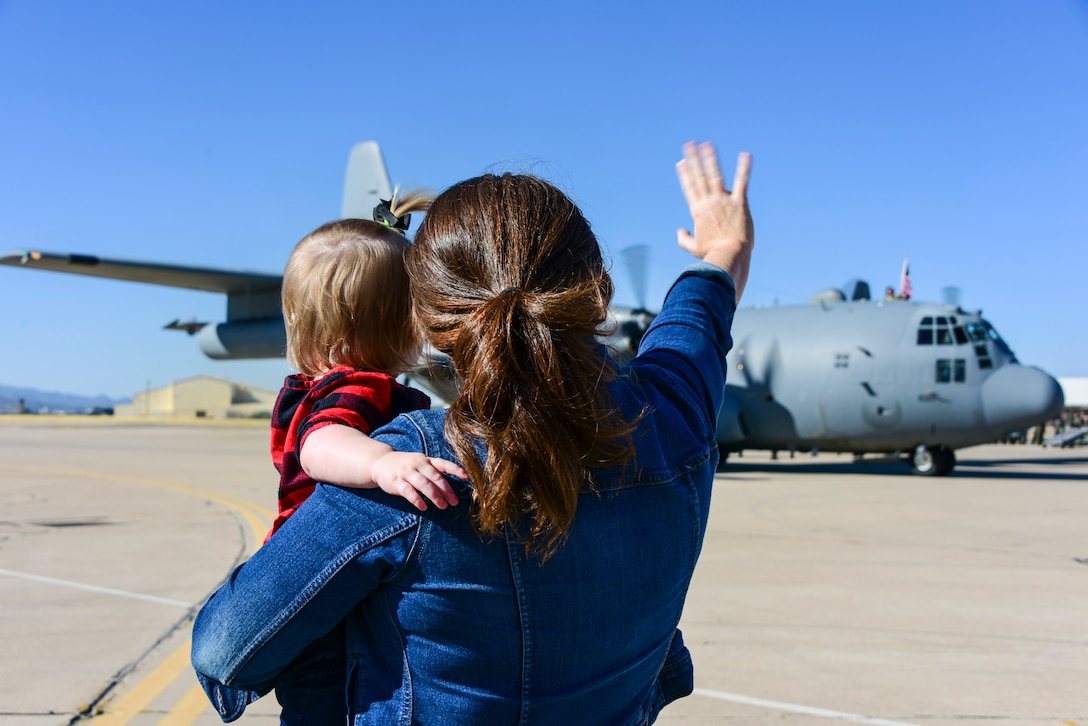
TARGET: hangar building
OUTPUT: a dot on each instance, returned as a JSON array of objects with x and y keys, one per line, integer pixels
[{"x": 200, "y": 397}]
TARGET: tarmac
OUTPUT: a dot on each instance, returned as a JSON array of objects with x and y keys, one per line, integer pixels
[{"x": 827, "y": 590}]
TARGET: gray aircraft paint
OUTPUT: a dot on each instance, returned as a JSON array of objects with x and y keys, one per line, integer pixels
[{"x": 851, "y": 376}]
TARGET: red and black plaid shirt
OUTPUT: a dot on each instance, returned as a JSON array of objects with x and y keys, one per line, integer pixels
[{"x": 363, "y": 400}]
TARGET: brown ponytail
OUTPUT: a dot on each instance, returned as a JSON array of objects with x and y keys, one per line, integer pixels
[{"x": 508, "y": 279}]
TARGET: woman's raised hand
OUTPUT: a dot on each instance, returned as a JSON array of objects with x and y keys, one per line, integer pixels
[{"x": 724, "y": 234}]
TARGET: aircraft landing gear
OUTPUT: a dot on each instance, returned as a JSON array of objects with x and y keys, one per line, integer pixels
[
  {"x": 932, "y": 460},
  {"x": 723, "y": 457}
]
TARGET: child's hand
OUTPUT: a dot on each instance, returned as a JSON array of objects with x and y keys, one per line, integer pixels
[{"x": 407, "y": 475}]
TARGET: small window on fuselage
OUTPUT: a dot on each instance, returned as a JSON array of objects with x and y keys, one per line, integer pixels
[{"x": 944, "y": 370}]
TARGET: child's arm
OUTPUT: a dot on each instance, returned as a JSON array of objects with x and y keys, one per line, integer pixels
[{"x": 347, "y": 457}]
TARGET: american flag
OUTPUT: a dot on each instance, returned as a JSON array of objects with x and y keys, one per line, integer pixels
[{"x": 904, "y": 282}]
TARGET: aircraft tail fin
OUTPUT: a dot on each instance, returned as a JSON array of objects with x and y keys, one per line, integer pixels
[{"x": 366, "y": 183}]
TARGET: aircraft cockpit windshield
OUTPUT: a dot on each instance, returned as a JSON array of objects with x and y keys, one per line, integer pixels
[
  {"x": 982, "y": 332},
  {"x": 941, "y": 330},
  {"x": 952, "y": 331}
]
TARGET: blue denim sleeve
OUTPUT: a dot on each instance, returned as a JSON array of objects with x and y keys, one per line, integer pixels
[
  {"x": 338, "y": 548},
  {"x": 230, "y": 703},
  {"x": 685, "y": 347}
]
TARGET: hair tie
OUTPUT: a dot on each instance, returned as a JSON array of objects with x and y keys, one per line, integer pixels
[
  {"x": 383, "y": 214},
  {"x": 509, "y": 289}
]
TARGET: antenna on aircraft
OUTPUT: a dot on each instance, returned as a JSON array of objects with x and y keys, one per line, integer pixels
[{"x": 951, "y": 295}]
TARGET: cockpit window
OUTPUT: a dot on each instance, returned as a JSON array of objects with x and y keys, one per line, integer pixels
[
  {"x": 976, "y": 331},
  {"x": 941, "y": 331},
  {"x": 944, "y": 370},
  {"x": 987, "y": 344},
  {"x": 979, "y": 334},
  {"x": 998, "y": 342},
  {"x": 951, "y": 370}
]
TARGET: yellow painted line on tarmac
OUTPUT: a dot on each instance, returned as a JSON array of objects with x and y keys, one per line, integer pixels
[
  {"x": 188, "y": 709},
  {"x": 193, "y": 703},
  {"x": 127, "y": 707}
]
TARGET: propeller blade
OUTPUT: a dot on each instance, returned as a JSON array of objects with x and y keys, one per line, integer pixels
[{"x": 637, "y": 259}]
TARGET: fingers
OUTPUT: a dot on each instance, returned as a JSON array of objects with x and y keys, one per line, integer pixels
[
  {"x": 686, "y": 241},
  {"x": 692, "y": 177},
  {"x": 699, "y": 171},
  {"x": 413, "y": 498},
  {"x": 685, "y": 172},
  {"x": 740, "y": 178},
  {"x": 448, "y": 467},
  {"x": 708, "y": 158},
  {"x": 425, "y": 477},
  {"x": 439, "y": 491}
]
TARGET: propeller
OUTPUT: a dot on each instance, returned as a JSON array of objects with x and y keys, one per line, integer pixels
[
  {"x": 631, "y": 324},
  {"x": 750, "y": 361},
  {"x": 190, "y": 326},
  {"x": 637, "y": 259},
  {"x": 951, "y": 295}
]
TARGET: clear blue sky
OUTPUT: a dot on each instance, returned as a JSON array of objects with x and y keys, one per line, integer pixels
[{"x": 209, "y": 133}]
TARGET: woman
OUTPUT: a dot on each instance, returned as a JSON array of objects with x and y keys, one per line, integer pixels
[{"x": 552, "y": 593}]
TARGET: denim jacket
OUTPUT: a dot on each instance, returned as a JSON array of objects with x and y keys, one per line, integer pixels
[{"x": 446, "y": 627}]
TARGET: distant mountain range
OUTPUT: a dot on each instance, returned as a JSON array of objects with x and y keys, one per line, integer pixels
[{"x": 35, "y": 401}]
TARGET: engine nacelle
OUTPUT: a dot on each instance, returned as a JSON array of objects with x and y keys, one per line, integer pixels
[{"x": 264, "y": 338}]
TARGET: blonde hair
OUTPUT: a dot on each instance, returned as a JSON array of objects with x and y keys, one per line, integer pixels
[{"x": 346, "y": 299}]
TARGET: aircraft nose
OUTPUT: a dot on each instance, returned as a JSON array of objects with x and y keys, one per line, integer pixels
[{"x": 1017, "y": 396}]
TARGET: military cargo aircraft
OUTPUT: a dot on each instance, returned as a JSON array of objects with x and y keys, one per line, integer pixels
[
  {"x": 908, "y": 379},
  {"x": 876, "y": 376}
]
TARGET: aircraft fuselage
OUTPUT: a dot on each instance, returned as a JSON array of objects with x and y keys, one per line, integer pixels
[{"x": 875, "y": 376}]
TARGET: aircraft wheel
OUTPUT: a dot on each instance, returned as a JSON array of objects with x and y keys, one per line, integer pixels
[{"x": 932, "y": 460}]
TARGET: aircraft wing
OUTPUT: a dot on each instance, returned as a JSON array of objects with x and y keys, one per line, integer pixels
[
  {"x": 254, "y": 326},
  {"x": 193, "y": 278}
]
